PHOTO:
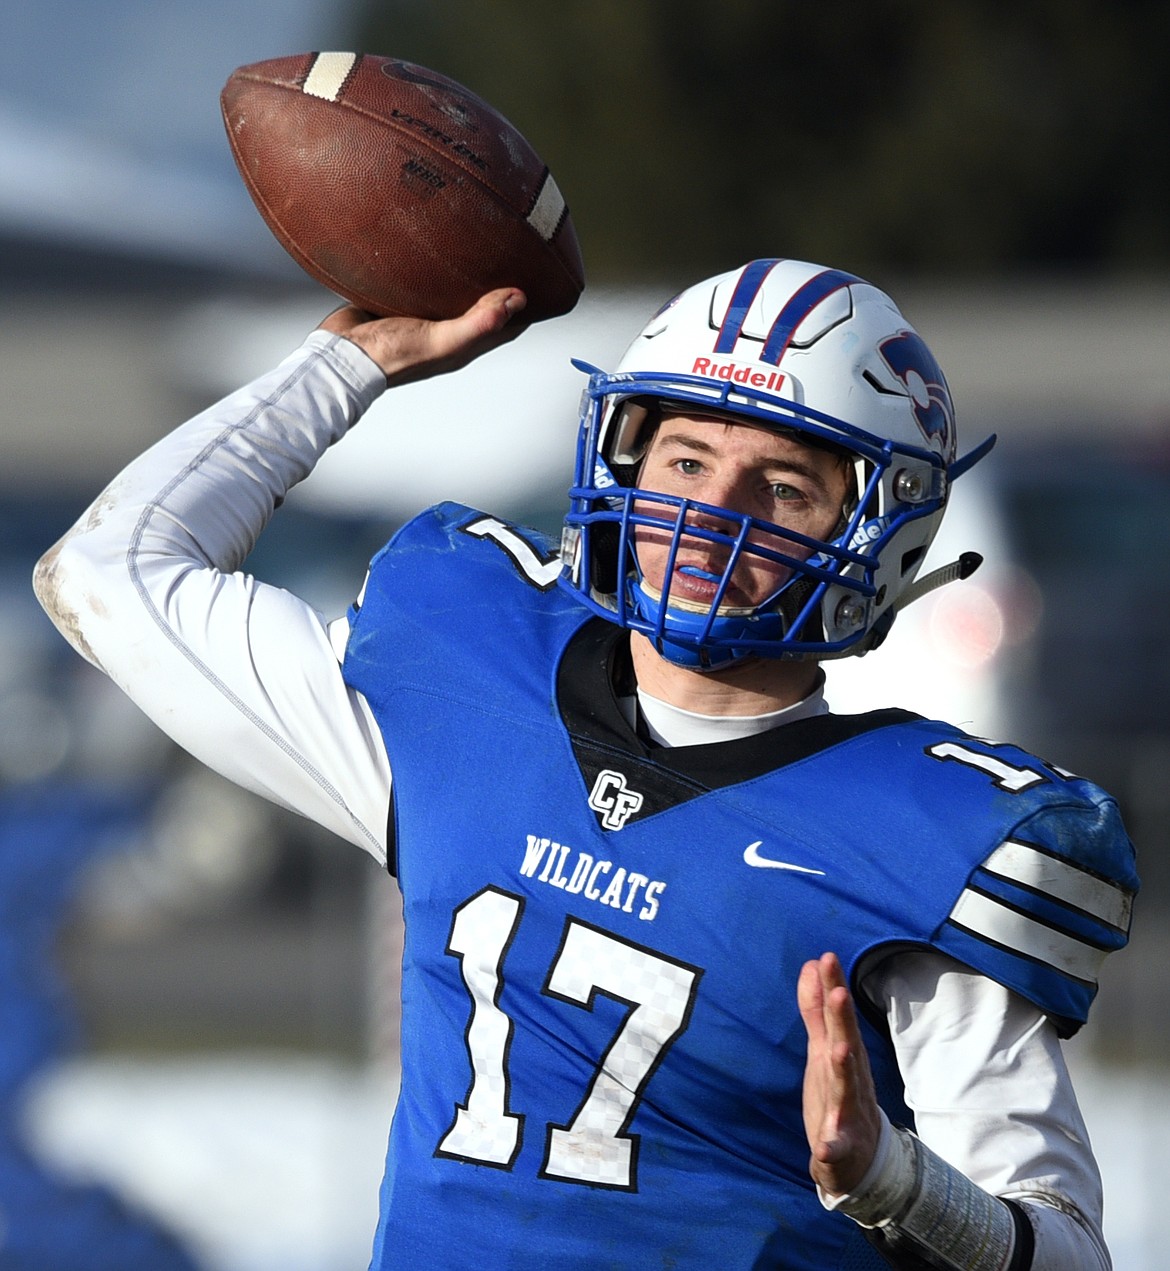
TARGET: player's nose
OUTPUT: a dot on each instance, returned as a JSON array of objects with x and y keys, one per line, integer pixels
[{"x": 723, "y": 490}]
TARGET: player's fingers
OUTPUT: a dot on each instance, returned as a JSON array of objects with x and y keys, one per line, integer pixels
[
  {"x": 423, "y": 349},
  {"x": 502, "y": 304},
  {"x": 490, "y": 314},
  {"x": 415, "y": 348},
  {"x": 832, "y": 974},
  {"x": 810, "y": 999},
  {"x": 846, "y": 1049},
  {"x": 840, "y": 1015},
  {"x": 850, "y": 1057},
  {"x": 840, "y": 1019}
]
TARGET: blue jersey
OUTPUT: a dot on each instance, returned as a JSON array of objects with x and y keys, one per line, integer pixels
[{"x": 602, "y": 1056}]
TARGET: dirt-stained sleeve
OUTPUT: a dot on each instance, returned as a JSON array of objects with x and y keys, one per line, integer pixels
[{"x": 245, "y": 676}]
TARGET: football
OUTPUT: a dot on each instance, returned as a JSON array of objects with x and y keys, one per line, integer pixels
[{"x": 397, "y": 188}]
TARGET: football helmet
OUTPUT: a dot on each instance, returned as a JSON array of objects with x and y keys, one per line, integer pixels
[{"x": 822, "y": 358}]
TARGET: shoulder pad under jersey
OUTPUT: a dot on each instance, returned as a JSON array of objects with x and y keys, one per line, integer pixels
[{"x": 1051, "y": 900}]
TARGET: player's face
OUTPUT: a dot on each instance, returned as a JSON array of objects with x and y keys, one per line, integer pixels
[{"x": 748, "y": 470}]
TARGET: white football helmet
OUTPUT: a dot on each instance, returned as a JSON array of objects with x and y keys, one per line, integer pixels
[{"x": 816, "y": 355}]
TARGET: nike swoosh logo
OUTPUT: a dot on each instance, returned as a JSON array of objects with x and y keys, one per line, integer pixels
[{"x": 751, "y": 854}]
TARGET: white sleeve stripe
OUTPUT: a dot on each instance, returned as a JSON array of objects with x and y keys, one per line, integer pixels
[
  {"x": 1050, "y": 876},
  {"x": 991, "y": 919},
  {"x": 328, "y": 74}
]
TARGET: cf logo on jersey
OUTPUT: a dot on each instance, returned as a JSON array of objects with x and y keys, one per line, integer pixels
[{"x": 613, "y": 800}]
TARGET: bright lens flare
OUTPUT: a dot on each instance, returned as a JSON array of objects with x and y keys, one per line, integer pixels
[{"x": 967, "y": 625}]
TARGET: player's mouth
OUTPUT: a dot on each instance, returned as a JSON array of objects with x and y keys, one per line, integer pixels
[{"x": 694, "y": 588}]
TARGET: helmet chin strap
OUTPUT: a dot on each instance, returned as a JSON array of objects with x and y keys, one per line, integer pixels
[
  {"x": 693, "y": 606},
  {"x": 652, "y": 605},
  {"x": 957, "y": 570},
  {"x": 964, "y": 567}
]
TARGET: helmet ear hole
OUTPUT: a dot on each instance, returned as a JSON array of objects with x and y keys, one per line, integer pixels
[{"x": 912, "y": 559}]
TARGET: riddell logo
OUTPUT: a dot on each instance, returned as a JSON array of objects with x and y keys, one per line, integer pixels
[{"x": 772, "y": 380}]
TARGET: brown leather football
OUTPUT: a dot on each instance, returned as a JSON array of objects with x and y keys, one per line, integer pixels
[{"x": 397, "y": 188}]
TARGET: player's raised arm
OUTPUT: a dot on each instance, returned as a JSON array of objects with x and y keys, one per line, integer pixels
[{"x": 146, "y": 585}]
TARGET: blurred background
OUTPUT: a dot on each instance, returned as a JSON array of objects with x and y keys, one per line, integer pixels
[{"x": 197, "y": 993}]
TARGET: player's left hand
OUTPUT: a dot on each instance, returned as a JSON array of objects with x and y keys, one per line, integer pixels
[{"x": 841, "y": 1115}]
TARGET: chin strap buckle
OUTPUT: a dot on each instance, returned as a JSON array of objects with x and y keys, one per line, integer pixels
[{"x": 964, "y": 567}]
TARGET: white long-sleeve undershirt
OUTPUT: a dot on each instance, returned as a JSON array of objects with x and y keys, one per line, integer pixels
[{"x": 247, "y": 678}]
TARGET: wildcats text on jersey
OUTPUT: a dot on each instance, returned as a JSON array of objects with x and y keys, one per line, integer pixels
[{"x": 596, "y": 880}]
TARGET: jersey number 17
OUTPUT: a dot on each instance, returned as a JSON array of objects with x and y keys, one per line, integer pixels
[{"x": 594, "y": 1147}]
